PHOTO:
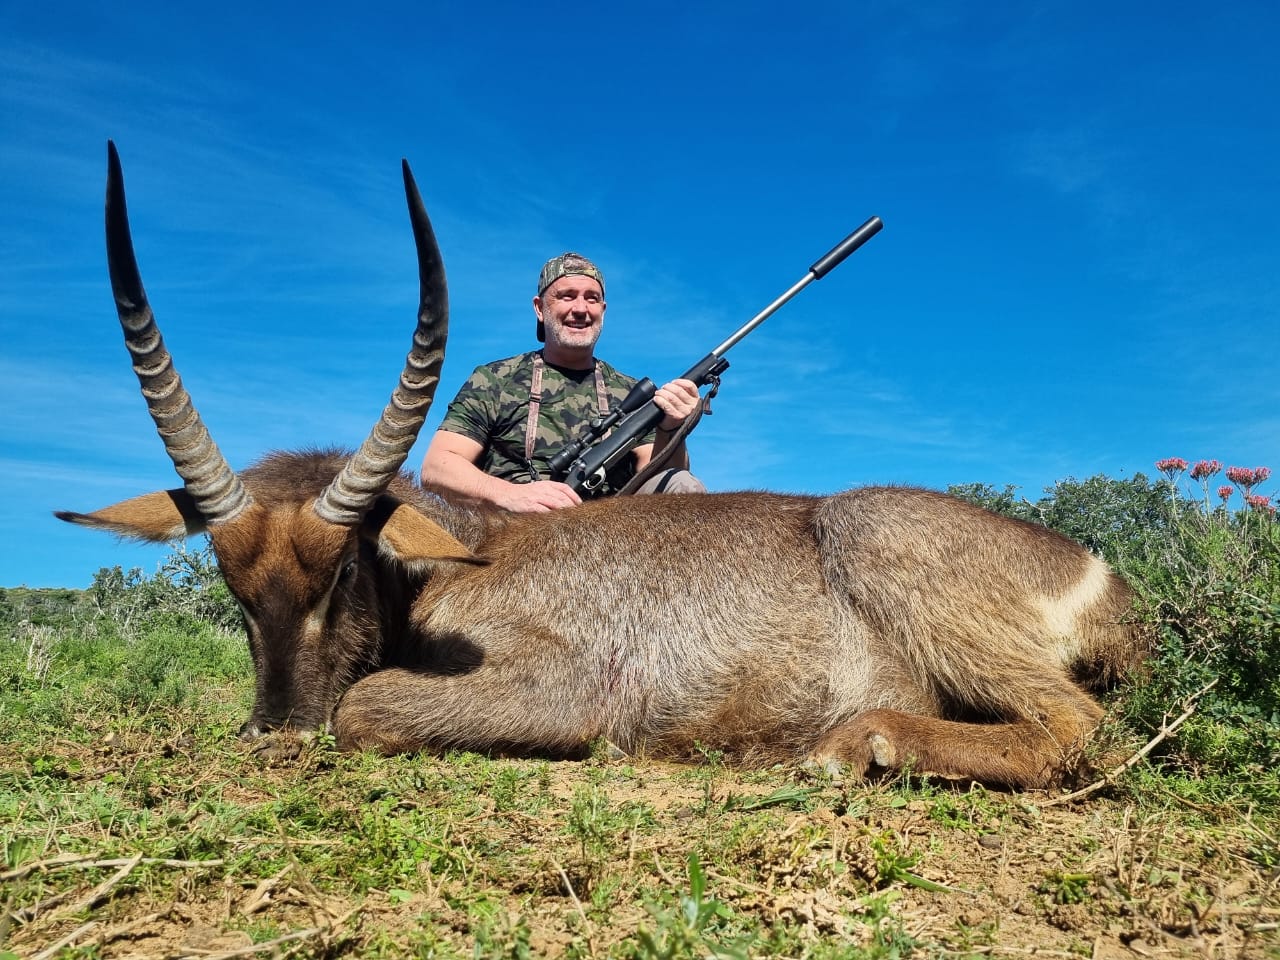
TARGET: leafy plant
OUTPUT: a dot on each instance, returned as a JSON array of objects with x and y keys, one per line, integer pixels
[
  {"x": 187, "y": 587},
  {"x": 1067, "y": 887},
  {"x": 687, "y": 930}
]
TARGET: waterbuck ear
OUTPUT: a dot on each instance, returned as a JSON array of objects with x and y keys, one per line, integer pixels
[
  {"x": 160, "y": 517},
  {"x": 411, "y": 538}
]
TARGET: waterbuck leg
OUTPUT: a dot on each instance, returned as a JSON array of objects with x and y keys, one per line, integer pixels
[
  {"x": 403, "y": 711},
  {"x": 1030, "y": 753}
]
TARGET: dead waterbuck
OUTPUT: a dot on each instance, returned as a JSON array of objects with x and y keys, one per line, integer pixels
[{"x": 878, "y": 628}]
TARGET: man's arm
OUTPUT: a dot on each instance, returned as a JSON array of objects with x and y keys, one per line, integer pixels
[
  {"x": 644, "y": 455},
  {"x": 678, "y": 400},
  {"x": 450, "y": 465}
]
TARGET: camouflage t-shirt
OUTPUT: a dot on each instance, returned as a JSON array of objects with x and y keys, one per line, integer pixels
[{"x": 492, "y": 408}]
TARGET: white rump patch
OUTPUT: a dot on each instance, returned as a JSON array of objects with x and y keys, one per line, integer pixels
[{"x": 1061, "y": 614}]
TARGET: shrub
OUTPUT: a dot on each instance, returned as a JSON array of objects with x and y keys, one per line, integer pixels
[
  {"x": 127, "y": 643},
  {"x": 187, "y": 587}
]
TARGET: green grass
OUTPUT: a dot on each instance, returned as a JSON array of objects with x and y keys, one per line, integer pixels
[{"x": 469, "y": 856}]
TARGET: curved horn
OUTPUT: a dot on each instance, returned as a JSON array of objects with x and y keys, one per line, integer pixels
[
  {"x": 380, "y": 457},
  {"x": 217, "y": 491}
]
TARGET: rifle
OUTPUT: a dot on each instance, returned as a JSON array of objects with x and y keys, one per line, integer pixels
[{"x": 583, "y": 463}]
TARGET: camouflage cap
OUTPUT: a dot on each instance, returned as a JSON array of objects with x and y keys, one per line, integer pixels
[{"x": 568, "y": 265}]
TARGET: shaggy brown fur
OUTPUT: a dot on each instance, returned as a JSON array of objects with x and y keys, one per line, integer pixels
[{"x": 878, "y": 627}]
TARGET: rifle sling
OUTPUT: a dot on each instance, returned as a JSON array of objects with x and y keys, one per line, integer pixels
[{"x": 535, "y": 406}]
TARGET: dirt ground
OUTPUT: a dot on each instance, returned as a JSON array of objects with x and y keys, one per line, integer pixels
[{"x": 831, "y": 870}]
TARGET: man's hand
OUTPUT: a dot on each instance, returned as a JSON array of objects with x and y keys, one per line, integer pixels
[
  {"x": 541, "y": 496},
  {"x": 677, "y": 400},
  {"x": 450, "y": 464}
]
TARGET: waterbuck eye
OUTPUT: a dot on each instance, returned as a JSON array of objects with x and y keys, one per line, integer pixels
[{"x": 349, "y": 567}]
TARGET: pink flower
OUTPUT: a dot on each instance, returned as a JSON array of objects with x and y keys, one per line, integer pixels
[
  {"x": 1240, "y": 476},
  {"x": 1171, "y": 466},
  {"x": 1204, "y": 469},
  {"x": 1261, "y": 504},
  {"x": 1247, "y": 479},
  {"x": 1224, "y": 493}
]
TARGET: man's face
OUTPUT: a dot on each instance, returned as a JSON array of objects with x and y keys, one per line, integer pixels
[{"x": 572, "y": 310}]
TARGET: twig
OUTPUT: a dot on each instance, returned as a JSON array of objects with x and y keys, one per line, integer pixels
[
  {"x": 72, "y": 861},
  {"x": 292, "y": 937},
  {"x": 126, "y": 929},
  {"x": 102, "y": 890},
  {"x": 70, "y": 938},
  {"x": 328, "y": 931},
  {"x": 1165, "y": 730},
  {"x": 28, "y": 914},
  {"x": 1012, "y": 951},
  {"x": 586, "y": 924},
  {"x": 243, "y": 842},
  {"x": 95, "y": 896},
  {"x": 671, "y": 881},
  {"x": 743, "y": 884},
  {"x": 261, "y": 896},
  {"x": 61, "y": 860},
  {"x": 568, "y": 886},
  {"x": 77, "y": 862},
  {"x": 253, "y": 948}
]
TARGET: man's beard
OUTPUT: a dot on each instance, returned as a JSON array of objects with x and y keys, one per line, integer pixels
[{"x": 578, "y": 338}]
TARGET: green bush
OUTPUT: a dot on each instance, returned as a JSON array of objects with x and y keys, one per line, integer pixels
[
  {"x": 187, "y": 587},
  {"x": 126, "y": 645}
]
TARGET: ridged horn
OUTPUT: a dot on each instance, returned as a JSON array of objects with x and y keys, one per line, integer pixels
[
  {"x": 217, "y": 491},
  {"x": 367, "y": 474}
]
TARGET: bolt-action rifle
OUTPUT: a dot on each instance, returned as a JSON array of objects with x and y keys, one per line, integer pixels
[{"x": 583, "y": 463}]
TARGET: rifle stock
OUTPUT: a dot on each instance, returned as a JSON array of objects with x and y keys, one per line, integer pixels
[{"x": 583, "y": 463}]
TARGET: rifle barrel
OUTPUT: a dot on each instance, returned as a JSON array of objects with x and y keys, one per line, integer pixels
[{"x": 825, "y": 264}]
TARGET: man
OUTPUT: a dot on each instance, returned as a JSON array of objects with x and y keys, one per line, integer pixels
[{"x": 513, "y": 415}]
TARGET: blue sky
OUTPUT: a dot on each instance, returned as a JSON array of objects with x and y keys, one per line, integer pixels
[{"x": 1079, "y": 271}]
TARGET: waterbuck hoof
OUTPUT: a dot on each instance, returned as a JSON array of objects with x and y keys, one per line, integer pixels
[
  {"x": 882, "y": 752},
  {"x": 832, "y": 768},
  {"x": 281, "y": 746}
]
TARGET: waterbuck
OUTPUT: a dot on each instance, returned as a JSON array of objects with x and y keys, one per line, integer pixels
[{"x": 877, "y": 628}]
